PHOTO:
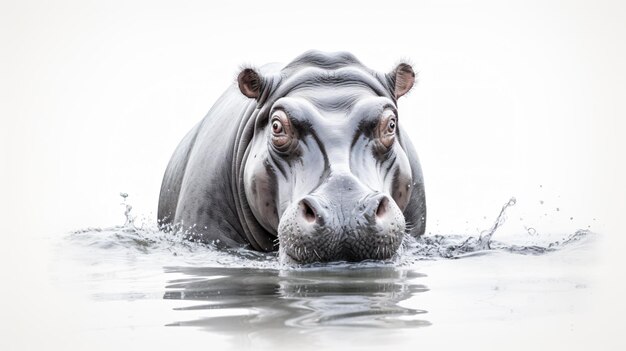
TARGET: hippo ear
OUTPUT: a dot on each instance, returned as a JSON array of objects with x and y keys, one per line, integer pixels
[
  {"x": 250, "y": 83},
  {"x": 403, "y": 79}
]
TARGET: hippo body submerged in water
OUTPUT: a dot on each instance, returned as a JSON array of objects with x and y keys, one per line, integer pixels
[{"x": 309, "y": 159}]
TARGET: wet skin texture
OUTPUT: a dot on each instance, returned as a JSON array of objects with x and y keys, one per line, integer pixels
[{"x": 310, "y": 159}]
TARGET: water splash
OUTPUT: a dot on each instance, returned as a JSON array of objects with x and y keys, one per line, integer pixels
[
  {"x": 458, "y": 246},
  {"x": 145, "y": 237},
  {"x": 485, "y": 237},
  {"x": 127, "y": 208}
]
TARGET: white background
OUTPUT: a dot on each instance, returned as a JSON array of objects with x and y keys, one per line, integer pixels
[{"x": 519, "y": 99}]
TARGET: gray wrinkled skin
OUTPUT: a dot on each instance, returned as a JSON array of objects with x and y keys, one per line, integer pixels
[{"x": 343, "y": 186}]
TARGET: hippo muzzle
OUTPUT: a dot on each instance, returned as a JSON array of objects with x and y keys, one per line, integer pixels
[{"x": 341, "y": 222}]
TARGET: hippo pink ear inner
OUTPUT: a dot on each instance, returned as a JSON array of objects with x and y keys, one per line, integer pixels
[
  {"x": 404, "y": 79},
  {"x": 250, "y": 83}
]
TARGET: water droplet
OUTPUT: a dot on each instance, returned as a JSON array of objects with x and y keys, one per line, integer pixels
[
  {"x": 541, "y": 202},
  {"x": 531, "y": 231},
  {"x": 512, "y": 201}
]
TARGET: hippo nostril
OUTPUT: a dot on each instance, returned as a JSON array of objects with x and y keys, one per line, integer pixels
[
  {"x": 382, "y": 207},
  {"x": 307, "y": 212}
]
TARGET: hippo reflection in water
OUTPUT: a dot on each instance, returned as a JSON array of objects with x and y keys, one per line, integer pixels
[
  {"x": 374, "y": 296},
  {"x": 309, "y": 159}
]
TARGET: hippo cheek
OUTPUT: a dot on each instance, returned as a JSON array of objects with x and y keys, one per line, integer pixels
[
  {"x": 261, "y": 192},
  {"x": 401, "y": 188}
]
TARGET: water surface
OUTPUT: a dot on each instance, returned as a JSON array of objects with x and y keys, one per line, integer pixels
[{"x": 156, "y": 285}]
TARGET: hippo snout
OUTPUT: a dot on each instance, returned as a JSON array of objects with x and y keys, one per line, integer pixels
[
  {"x": 324, "y": 228},
  {"x": 373, "y": 208}
]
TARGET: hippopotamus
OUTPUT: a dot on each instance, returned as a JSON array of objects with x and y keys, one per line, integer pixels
[{"x": 309, "y": 159}]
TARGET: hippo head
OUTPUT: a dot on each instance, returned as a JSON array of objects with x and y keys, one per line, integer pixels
[{"x": 326, "y": 171}]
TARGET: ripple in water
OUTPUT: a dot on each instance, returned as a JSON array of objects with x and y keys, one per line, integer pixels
[{"x": 347, "y": 296}]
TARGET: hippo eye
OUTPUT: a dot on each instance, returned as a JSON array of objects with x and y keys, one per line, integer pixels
[
  {"x": 277, "y": 127},
  {"x": 391, "y": 126},
  {"x": 387, "y": 129},
  {"x": 281, "y": 129}
]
